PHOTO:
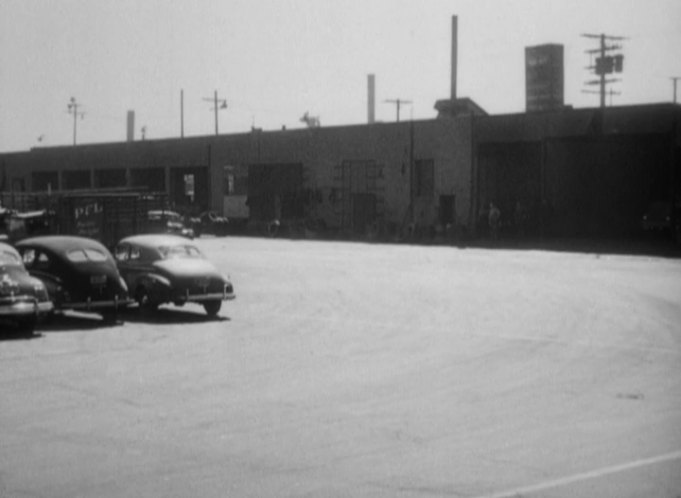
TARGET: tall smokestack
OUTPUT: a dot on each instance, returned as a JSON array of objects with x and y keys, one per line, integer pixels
[
  {"x": 455, "y": 35},
  {"x": 371, "y": 98},
  {"x": 131, "y": 126}
]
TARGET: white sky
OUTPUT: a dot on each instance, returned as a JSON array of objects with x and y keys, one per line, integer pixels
[{"x": 275, "y": 59}]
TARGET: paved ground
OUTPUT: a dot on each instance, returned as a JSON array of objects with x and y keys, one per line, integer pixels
[{"x": 362, "y": 370}]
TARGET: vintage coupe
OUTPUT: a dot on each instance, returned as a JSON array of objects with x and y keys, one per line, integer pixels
[
  {"x": 79, "y": 273},
  {"x": 162, "y": 269},
  {"x": 23, "y": 298},
  {"x": 211, "y": 222},
  {"x": 165, "y": 221}
]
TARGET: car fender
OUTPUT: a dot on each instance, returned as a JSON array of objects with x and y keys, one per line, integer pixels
[
  {"x": 152, "y": 280},
  {"x": 156, "y": 286},
  {"x": 53, "y": 284}
]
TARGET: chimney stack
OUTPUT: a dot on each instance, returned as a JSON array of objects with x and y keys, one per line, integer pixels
[
  {"x": 371, "y": 82},
  {"x": 455, "y": 35},
  {"x": 131, "y": 126}
]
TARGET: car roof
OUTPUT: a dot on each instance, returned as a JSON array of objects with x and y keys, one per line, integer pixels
[
  {"x": 4, "y": 247},
  {"x": 156, "y": 240},
  {"x": 61, "y": 242}
]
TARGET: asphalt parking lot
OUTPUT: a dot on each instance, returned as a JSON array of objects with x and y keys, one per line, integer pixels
[{"x": 364, "y": 370}]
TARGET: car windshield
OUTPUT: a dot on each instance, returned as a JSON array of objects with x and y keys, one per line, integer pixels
[
  {"x": 9, "y": 258},
  {"x": 180, "y": 251},
  {"x": 85, "y": 255}
]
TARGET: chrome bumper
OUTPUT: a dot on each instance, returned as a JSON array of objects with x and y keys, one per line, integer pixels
[
  {"x": 199, "y": 298},
  {"x": 98, "y": 305},
  {"x": 23, "y": 307}
]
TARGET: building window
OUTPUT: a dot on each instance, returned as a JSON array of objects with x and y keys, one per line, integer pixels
[
  {"x": 76, "y": 179},
  {"x": 44, "y": 181},
  {"x": 110, "y": 178},
  {"x": 424, "y": 177},
  {"x": 153, "y": 179},
  {"x": 235, "y": 182},
  {"x": 230, "y": 184}
]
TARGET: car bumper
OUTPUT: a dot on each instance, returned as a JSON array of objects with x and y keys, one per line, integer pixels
[
  {"x": 199, "y": 298},
  {"x": 10, "y": 307},
  {"x": 90, "y": 305}
]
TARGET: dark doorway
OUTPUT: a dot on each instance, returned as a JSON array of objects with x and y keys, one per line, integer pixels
[
  {"x": 363, "y": 212},
  {"x": 275, "y": 191},
  {"x": 447, "y": 210}
]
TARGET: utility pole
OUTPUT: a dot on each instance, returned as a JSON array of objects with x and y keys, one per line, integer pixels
[
  {"x": 398, "y": 103},
  {"x": 605, "y": 63},
  {"x": 674, "y": 80},
  {"x": 72, "y": 107},
  {"x": 218, "y": 104},
  {"x": 181, "y": 113}
]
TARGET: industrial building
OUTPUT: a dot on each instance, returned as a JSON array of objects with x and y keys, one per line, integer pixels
[{"x": 596, "y": 170}]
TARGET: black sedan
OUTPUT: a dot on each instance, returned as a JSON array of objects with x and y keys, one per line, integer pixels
[
  {"x": 79, "y": 273},
  {"x": 162, "y": 269},
  {"x": 23, "y": 299}
]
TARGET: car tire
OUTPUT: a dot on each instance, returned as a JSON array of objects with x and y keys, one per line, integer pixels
[
  {"x": 212, "y": 307},
  {"x": 145, "y": 304},
  {"x": 27, "y": 325},
  {"x": 110, "y": 316}
]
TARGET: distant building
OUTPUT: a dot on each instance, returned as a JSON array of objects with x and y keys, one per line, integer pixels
[
  {"x": 575, "y": 172},
  {"x": 544, "y": 87}
]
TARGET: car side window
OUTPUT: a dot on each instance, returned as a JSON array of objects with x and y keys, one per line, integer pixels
[
  {"x": 135, "y": 254},
  {"x": 42, "y": 262},
  {"x": 35, "y": 260},
  {"x": 29, "y": 257},
  {"x": 122, "y": 253}
]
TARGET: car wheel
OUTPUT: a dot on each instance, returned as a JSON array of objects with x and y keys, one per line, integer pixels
[
  {"x": 27, "y": 325},
  {"x": 212, "y": 307},
  {"x": 110, "y": 316},
  {"x": 142, "y": 298}
]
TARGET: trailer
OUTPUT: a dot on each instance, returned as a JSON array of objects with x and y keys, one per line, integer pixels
[{"x": 106, "y": 216}]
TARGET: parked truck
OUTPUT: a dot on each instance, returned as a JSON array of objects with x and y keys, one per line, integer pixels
[{"x": 106, "y": 216}]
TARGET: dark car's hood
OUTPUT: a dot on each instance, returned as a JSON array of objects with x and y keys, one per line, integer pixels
[{"x": 186, "y": 267}]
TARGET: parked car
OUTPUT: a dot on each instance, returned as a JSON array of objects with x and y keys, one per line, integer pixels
[
  {"x": 664, "y": 218},
  {"x": 23, "y": 298},
  {"x": 5, "y": 215},
  {"x": 162, "y": 269},
  {"x": 211, "y": 222},
  {"x": 164, "y": 221},
  {"x": 79, "y": 273},
  {"x": 658, "y": 217}
]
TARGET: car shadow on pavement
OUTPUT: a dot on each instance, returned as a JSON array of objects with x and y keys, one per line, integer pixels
[
  {"x": 169, "y": 315},
  {"x": 10, "y": 332},
  {"x": 73, "y": 321}
]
